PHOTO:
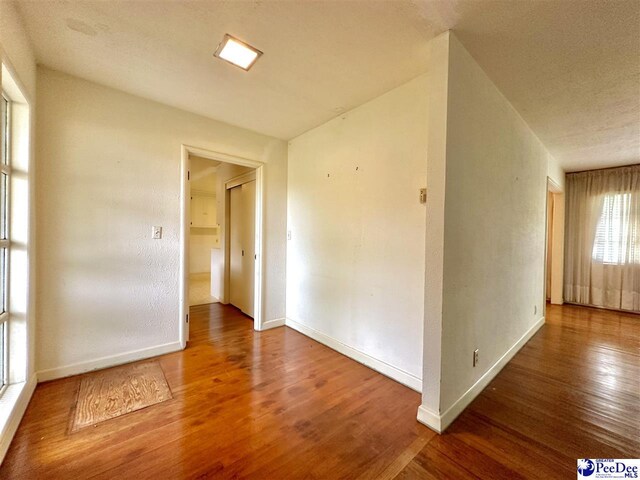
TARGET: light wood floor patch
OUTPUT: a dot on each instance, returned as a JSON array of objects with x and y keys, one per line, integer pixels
[{"x": 110, "y": 393}]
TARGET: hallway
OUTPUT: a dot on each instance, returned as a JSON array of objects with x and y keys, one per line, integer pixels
[
  {"x": 573, "y": 391},
  {"x": 276, "y": 404}
]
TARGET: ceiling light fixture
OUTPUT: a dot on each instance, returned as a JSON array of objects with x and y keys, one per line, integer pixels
[{"x": 237, "y": 52}]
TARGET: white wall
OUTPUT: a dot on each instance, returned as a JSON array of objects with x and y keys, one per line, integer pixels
[
  {"x": 437, "y": 89},
  {"x": 201, "y": 241},
  {"x": 110, "y": 170},
  {"x": 555, "y": 172},
  {"x": 355, "y": 262},
  {"x": 494, "y": 236}
]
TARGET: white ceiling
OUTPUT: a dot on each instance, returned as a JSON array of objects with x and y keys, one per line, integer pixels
[{"x": 571, "y": 68}]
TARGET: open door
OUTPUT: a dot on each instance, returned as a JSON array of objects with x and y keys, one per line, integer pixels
[{"x": 242, "y": 252}]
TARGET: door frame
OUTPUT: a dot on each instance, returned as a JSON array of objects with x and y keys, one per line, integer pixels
[
  {"x": 557, "y": 233},
  {"x": 185, "y": 213}
]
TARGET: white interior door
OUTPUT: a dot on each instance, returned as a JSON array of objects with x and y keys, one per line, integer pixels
[
  {"x": 235, "y": 247},
  {"x": 242, "y": 200},
  {"x": 249, "y": 244}
]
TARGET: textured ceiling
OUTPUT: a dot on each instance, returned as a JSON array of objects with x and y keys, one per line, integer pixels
[{"x": 571, "y": 68}]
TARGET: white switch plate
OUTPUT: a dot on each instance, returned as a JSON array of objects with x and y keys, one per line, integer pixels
[{"x": 156, "y": 233}]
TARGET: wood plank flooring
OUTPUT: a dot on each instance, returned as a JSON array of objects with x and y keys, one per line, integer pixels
[
  {"x": 573, "y": 391},
  {"x": 246, "y": 404},
  {"x": 277, "y": 405}
]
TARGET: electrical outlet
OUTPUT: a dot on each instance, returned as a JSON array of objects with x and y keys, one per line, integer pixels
[
  {"x": 156, "y": 233},
  {"x": 475, "y": 357}
]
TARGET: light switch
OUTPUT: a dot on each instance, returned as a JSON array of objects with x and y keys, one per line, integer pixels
[
  {"x": 288, "y": 234},
  {"x": 156, "y": 233}
]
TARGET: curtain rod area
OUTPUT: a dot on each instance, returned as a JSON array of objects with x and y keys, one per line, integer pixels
[{"x": 604, "y": 168}]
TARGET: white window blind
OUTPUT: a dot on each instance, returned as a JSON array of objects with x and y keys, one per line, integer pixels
[{"x": 617, "y": 233}]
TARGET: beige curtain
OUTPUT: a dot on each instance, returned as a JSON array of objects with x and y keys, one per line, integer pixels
[{"x": 602, "y": 238}]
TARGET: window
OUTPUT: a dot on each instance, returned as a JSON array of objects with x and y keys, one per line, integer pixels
[
  {"x": 617, "y": 233},
  {"x": 5, "y": 177}
]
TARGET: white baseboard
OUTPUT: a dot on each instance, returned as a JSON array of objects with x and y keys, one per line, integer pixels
[
  {"x": 430, "y": 418},
  {"x": 439, "y": 423},
  {"x": 277, "y": 322},
  {"x": 19, "y": 400},
  {"x": 390, "y": 371},
  {"x": 106, "y": 362}
]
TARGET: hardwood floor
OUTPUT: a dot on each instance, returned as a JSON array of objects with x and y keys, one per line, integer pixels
[
  {"x": 276, "y": 405},
  {"x": 246, "y": 404},
  {"x": 573, "y": 391}
]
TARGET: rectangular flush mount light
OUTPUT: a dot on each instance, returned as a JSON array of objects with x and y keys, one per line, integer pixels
[{"x": 237, "y": 52}]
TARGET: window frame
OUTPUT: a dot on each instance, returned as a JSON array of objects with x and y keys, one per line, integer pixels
[{"x": 5, "y": 236}]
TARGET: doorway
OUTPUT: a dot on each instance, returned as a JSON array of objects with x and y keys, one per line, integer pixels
[
  {"x": 554, "y": 260},
  {"x": 231, "y": 218},
  {"x": 204, "y": 228}
]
